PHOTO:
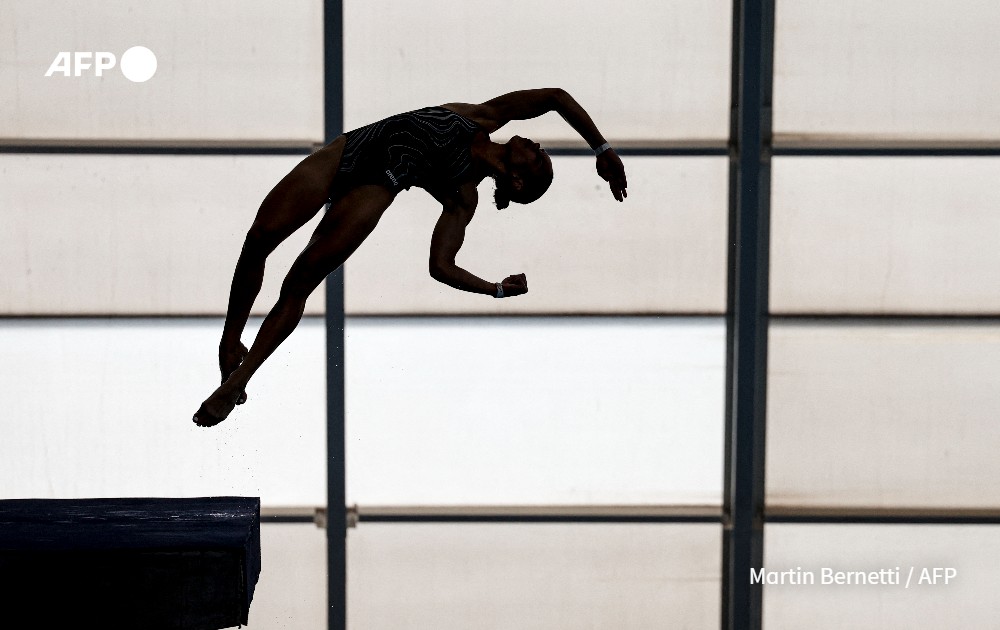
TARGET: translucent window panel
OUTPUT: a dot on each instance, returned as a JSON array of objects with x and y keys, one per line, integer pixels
[
  {"x": 292, "y": 590},
  {"x": 535, "y": 411},
  {"x": 662, "y": 250},
  {"x": 102, "y": 408},
  {"x": 896, "y": 70},
  {"x": 883, "y": 415},
  {"x": 231, "y": 70},
  {"x": 551, "y": 576},
  {"x": 659, "y": 71},
  {"x": 967, "y": 600},
  {"x": 885, "y": 235},
  {"x": 134, "y": 234}
]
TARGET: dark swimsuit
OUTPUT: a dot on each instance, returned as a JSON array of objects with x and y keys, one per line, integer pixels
[{"x": 428, "y": 148}]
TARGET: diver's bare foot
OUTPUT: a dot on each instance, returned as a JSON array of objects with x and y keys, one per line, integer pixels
[
  {"x": 229, "y": 360},
  {"x": 217, "y": 407}
]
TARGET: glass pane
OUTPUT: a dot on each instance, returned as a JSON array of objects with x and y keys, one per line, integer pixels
[
  {"x": 523, "y": 411},
  {"x": 885, "y": 235},
  {"x": 292, "y": 589},
  {"x": 134, "y": 234},
  {"x": 658, "y": 71},
  {"x": 533, "y": 576},
  {"x": 873, "y": 415},
  {"x": 662, "y": 250},
  {"x": 225, "y": 70},
  {"x": 936, "y": 597},
  {"x": 103, "y": 409},
  {"x": 890, "y": 70}
]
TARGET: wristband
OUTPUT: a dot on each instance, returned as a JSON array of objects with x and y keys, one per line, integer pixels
[
  {"x": 601, "y": 149},
  {"x": 499, "y": 290}
]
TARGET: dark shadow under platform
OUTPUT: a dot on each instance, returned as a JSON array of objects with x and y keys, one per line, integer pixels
[{"x": 129, "y": 563}]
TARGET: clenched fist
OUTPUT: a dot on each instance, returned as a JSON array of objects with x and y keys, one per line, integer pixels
[{"x": 515, "y": 285}]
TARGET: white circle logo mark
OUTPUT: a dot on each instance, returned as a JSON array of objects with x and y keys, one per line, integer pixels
[{"x": 138, "y": 64}]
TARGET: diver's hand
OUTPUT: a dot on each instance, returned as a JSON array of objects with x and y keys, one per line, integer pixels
[
  {"x": 611, "y": 170},
  {"x": 515, "y": 285}
]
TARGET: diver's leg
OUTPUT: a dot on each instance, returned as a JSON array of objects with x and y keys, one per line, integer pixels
[
  {"x": 350, "y": 220},
  {"x": 290, "y": 204}
]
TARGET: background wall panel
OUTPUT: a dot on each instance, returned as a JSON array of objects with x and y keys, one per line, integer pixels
[
  {"x": 102, "y": 408},
  {"x": 529, "y": 411},
  {"x": 885, "y": 235},
  {"x": 533, "y": 576},
  {"x": 886, "y": 71},
  {"x": 883, "y": 415},
  {"x": 400, "y": 56},
  {"x": 291, "y": 591},
  {"x": 663, "y": 250},
  {"x": 966, "y": 601},
  {"x": 227, "y": 70},
  {"x": 134, "y": 234}
]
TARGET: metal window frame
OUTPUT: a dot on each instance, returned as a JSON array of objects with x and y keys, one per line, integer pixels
[
  {"x": 336, "y": 487},
  {"x": 750, "y": 148},
  {"x": 747, "y": 311},
  {"x": 744, "y": 513}
]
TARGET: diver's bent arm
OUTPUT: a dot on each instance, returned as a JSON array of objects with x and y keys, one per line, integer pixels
[{"x": 449, "y": 234}]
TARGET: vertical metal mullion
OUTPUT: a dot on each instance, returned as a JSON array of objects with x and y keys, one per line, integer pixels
[
  {"x": 747, "y": 311},
  {"x": 336, "y": 502},
  {"x": 730, "y": 299}
]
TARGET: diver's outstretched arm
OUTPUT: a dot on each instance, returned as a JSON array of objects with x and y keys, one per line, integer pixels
[{"x": 525, "y": 104}]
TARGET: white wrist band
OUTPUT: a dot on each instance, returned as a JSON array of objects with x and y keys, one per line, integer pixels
[
  {"x": 499, "y": 290},
  {"x": 601, "y": 149}
]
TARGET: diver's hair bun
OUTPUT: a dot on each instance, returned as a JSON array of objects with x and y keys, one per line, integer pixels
[{"x": 501, "y": 196}]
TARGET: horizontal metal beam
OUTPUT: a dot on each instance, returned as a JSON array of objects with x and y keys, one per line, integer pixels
[
  {"x": 839, "y": 319},
  {"x": 693, "y": 150},
  {"x": 838, "y": 147},
  {"x": 693, "y": 147},
  {"x": 437, "y": 318},
  {"x": 537, "y": 514},
  {"x": 883, "y": 515},
  {"x": 633, "y": 514},
  {"x": 297, "y": 514},
  {"x": 161, "y": 148},
  {"x": 628, "y": 151},
  {"x": 264, "y": 147},
  {"x": 798, "y": 318},
  {"x": 137, "y": 316},
  {"x": 538, "y": 316},
  {"x": 883, "y": 319},
  {"x": 284, "y": 520}
]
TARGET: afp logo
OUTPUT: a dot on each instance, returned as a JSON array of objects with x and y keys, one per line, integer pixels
[{"x": 138, "y": 64}]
